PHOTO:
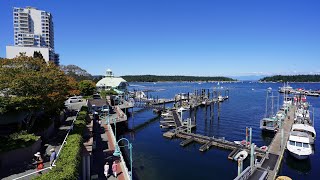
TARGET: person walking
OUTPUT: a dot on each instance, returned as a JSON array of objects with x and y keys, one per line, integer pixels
[
  {"x": 106, "y": 169},
  {"x": 53, "y": 156},
  {"x": 114, "y": 168},
  {"x": 39, "y": 161}
]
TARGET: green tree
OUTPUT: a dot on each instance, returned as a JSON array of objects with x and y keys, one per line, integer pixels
[
  {"x": 87, "y": 87},
  {"x": 30, "y": 84}
]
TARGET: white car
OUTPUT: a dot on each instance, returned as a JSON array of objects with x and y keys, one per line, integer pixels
[{"x": 74, "y": 99}]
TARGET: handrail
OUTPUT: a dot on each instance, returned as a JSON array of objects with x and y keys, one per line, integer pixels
[
  {"x": 53, "y": 164},
  {"x": 122, "y": 163}
]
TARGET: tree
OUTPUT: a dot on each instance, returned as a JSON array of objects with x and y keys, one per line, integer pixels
[
  {"x": 87, "y": 87},
  {"x": 74, "y": 86},
  {"x": 30, "y": 84},
  {"x": 37, "y": 54}
]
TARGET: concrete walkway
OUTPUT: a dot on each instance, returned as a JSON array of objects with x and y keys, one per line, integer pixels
[{"x": 27, "y": 167}]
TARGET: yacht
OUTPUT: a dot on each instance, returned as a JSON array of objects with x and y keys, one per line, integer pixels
[
  {"x": 286, "y": 89},
  {"x": 299, "y": 145},
  {"x": 307, "y": 129},
  {"x": 269, "y": 124}
]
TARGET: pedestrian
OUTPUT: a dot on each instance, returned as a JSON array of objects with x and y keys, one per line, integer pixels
[
  {"x": 114, "y": 168},
  {"x": 39, "y": 161},
  {"x": 53, "y": 156},
  {"x": 106, "y": 169}
]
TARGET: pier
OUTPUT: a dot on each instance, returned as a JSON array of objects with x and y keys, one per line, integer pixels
[
  {"x": 266, "y": 168},
  {"x": 207, "y": 141},
  {"x": 269, "y": 166}
]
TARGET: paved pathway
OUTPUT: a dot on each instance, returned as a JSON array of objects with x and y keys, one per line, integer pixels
[
  {"x": 103, "y": 153},
  {"x": 27, "y": 167}
]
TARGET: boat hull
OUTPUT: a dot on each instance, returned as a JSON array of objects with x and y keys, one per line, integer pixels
[{"x": 300, "y": 157}]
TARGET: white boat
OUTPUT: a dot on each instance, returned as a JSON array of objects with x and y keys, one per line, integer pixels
[
  {"x": 220, "y": 98},
  {"x": 181, "y": 109},
  {"x": 299, "y": 145},
  {"x": 264, "y": 148},
  {"x": 307, "y": 129},
  {"x": 241, "y": 155}
]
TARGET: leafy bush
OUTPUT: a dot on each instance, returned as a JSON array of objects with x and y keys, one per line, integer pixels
[
  {"x": 68, "y": 162},
  {"x": 17, "y": 140}
]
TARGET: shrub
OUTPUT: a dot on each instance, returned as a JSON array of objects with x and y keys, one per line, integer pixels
[
  {"x": 68, "y": 162},
  {"x": 17, "y": 140}
]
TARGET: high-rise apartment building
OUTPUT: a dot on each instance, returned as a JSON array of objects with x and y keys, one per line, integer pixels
[{"x": 33, "y": 31}]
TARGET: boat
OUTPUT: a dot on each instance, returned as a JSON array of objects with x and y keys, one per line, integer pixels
[
  {"x": 181, "y": 109},
  {"x": 264, "y": 148},
  {"x": 299, "y": 145},
  {"x": 286, "y": 89},
  {"x": 269, "y": 124},
  {"x": 307, "y": 129},
  {"x": 237, "y": 142},
  {"x": 220, "y": 98},
  {"x": 241, "y": 155}
]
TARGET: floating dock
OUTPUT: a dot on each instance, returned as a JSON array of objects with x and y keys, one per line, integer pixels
[
  {"x": 207, "y": 141},
  {"x": 270, "y": 164}
]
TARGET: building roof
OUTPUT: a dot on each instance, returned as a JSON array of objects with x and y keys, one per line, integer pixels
[{"x": 110, "y": 81}]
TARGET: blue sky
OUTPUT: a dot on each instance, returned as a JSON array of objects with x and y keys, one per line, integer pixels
[{"x": 181, "y": 37}]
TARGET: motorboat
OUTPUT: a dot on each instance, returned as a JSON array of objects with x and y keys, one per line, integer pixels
[
  {"x": 220, "y": 98},
  {"x": 264, "y": 148},
  {"x": 269, "y": 124},
  {"x": 241, "y": 155},
  {"x": 299, "y": 145},
  {"x": 286, "y": 89},
  {"x": 181, "y": 109},
  {"x": 307, "y": 129}
]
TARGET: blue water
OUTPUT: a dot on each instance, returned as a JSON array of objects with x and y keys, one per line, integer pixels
[{"x": 158, "y": 158}]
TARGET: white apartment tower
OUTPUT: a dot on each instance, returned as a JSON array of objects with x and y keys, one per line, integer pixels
[{"x": 33, "y": 31}]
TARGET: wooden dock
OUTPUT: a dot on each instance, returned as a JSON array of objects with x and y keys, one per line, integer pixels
[
  {"x": 270, "y": 164},
  {"x": 207, "y": 141}
]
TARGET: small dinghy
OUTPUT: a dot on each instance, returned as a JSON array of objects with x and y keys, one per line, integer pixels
[
  {"x": 264, "y": 148},
  {"x": 242, "y": 154}
]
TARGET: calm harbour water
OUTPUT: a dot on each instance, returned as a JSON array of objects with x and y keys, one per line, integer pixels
[{"x": 158, "y": 158}]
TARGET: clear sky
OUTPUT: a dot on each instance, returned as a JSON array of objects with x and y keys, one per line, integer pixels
[{"x": 181, "y": 37}]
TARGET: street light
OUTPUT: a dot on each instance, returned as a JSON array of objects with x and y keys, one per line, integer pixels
[{"x": 117, "y": 152}]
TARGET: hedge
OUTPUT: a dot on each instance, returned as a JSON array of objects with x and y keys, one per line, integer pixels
[{"x": 68, "y": 162}]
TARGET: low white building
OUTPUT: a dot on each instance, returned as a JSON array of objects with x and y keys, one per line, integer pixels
[
  {"x": 14, "y": 51},
  {"x": 110, "y": 82}
]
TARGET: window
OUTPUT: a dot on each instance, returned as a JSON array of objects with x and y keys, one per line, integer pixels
[
  {"x": 305, "y": 145},
  {"x": 292, "y": 143},
  {"x": 299, "y": 144}
]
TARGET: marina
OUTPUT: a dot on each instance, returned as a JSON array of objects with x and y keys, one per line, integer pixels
[{"x": 268, "y": 165}]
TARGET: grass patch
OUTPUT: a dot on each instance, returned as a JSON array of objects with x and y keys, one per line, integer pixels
[
  {"x": 68, "y": 162},
  {"x": 17, "y": 140}
]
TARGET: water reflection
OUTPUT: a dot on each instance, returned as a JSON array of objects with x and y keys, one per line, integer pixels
[
  {"x": 301, "y": 166},
  {"x": 267, "y": 136}
]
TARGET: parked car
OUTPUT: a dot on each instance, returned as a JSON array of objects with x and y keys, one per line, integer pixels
[
  {"x": 96, "y": 96},
  {"x": 74, "y": 99}
]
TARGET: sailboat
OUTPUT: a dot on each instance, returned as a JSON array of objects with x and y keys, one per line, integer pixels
[{"x": 269, "y": 123}]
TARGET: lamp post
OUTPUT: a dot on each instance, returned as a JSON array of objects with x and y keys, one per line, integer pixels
[
  {"x": 117, "y": 152},
  {"x": 115, "y": 128}
]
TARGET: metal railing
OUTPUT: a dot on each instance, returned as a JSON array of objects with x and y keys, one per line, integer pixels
[
  {"x": 53, "y": 164},
  {"x": 122, "y": 163}
]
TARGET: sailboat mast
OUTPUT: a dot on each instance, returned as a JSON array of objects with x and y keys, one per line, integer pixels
[
  {"x": 266, "y": 113},
  {"x": 272, "y": 104}
]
